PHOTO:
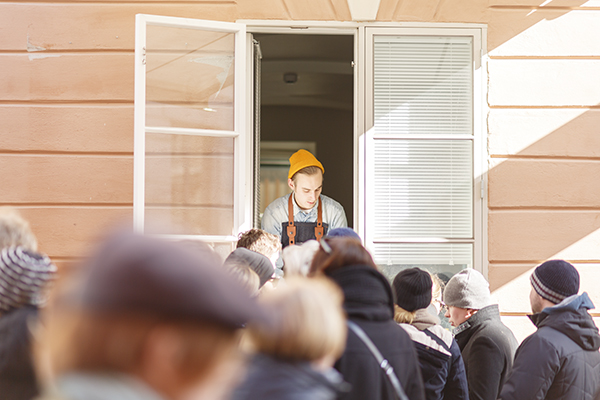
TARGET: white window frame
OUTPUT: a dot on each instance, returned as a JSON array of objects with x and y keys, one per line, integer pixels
[
  {"x": 242, "y": 192},
  {"x": 363, "y": 118},
  {"x": 478, "y": 33}
]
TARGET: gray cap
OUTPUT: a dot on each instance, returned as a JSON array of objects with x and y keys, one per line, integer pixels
[
  {"x": 467, "y": 289},
  {"x": 136, "y": 274}
]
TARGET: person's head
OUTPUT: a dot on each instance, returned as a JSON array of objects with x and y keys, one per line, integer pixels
[
  {"x": 245, "y": 276},
  {"x": 149, "y": 308},
  {"x": 25, "y": 277},
  {"x": 342, "y": 232},
  {"x": 412, "y": 289},
  {"x": 261, "y": 242},
  {"x": 437, "y": 291},
  {"x": 335, "y": 253},
  {"x": 305, "y": 178},
  {"x": 552, "y": 282},
  {"x": 466, "y": 293},
  {"x": 15, "y": 231},
  {"x": 307, "y": 324},
  {"x": 255, "y": 261},
  {"x": 297, "y": 258}
]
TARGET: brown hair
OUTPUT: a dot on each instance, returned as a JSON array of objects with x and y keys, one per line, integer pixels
[
  {"x": 311, "y": 170},
  {"x": 307, "y": 324},
  {"x": 344, "y": 251},
  {"x": 259, "y": 241}
]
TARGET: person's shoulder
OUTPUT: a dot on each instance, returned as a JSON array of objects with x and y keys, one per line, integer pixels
[
  {"x": 278, "y": 202},
  {"x": 329, "y": 202}
]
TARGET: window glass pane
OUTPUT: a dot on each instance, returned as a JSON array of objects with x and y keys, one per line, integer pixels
[
  {"x": 189, "y": 78},
  {"x": 423, "y": 85},
  {"x": 444, "y": 259},
  {"x": 189, "y": 184},
  {"x": 423, "y": 188}
]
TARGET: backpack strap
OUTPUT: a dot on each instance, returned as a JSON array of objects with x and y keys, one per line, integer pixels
[{"x": 383, "y": 363}]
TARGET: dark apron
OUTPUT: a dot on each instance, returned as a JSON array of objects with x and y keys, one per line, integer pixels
[{"x": 300, "y": 232}]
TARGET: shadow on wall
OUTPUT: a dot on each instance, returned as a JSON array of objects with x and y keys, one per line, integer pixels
[{"x": 544, "y": 200}]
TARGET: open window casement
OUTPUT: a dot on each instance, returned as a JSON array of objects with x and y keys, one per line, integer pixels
[
  {"x": 191, "y": 148},
  {"x": 422, "y": 149}
]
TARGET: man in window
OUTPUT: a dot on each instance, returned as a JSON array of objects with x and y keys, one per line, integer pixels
[{"x": 305, "y": 213}]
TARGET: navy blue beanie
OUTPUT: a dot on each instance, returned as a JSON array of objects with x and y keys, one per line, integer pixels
[
  {"x": 555, "y": 280},
  {"x": 343, "y": 232}
]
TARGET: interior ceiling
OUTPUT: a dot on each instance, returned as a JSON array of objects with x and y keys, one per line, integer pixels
[{"x": 323, "y": 64}]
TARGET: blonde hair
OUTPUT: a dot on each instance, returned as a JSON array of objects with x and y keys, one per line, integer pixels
[
  {"x": 402, "y": 316},
  {"x": 15, "y": 231},
  {"x": 308, "y": 322},
  {"x": 438, "y": 286},
  {"x": 297, "y": 258}
]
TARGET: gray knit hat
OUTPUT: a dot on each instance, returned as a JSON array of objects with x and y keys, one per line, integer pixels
[
  {"x": 467, "y": 289},
  {"x": 24, "y": 276}
]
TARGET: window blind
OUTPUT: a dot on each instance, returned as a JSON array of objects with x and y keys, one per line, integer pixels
[{"x": 422, "y": 198}]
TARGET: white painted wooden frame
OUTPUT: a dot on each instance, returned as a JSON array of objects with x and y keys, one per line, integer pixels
[
  {"x": 479, "y": 35},
  {"x": 242, "y": 186}
]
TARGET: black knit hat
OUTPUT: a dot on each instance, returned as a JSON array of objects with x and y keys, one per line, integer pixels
[
  {"x": 24, "y": 276},
  {"x": 555, "y": 280},
  {"x": 413, "y": 289}
]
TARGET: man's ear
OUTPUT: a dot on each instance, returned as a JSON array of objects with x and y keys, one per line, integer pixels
[
  {"x": 471, "y": 312},
  {"x": 291, "y": 184}
]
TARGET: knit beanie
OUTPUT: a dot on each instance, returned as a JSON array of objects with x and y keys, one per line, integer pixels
[
  {"x": 302, "y": 159},
  {"x": 413, "y": 289},
  {"x": 343, "y": 232},
  {"x": 555, "y": 280},
  {"x": 24, "y": 276},
  {"x": 256, "y": 261},
  {"x": 467, "y": 289}
]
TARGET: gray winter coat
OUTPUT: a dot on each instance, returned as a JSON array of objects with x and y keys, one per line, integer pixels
[{"x": 561, "y": 359}]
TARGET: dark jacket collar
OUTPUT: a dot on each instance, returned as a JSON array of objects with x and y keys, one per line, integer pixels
[
  {"x": 367, "y": 293},
  {"x": 471, "y": 325},
  {"x": 571, "y": 318}
]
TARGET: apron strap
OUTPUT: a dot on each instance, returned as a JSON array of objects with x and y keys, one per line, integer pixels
[
  {"x": 291, "y": 228},
  {"x": 319, "y": 227}
]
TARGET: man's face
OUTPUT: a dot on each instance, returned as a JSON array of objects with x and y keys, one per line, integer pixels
[
  {"x": 536, "y": 301},
  {"x": 457, "y": 315},
  {"x": 307, "y": 189}
]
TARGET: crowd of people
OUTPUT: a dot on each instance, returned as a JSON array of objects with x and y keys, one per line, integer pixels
[
  {"x": 144, "y": 318},
  {"x": 298, "y": 311}
]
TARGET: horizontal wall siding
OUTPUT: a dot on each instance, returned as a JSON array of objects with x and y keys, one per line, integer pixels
[
  {"x": 544, "y": 147},
  {"x": 66, "y": 106}
]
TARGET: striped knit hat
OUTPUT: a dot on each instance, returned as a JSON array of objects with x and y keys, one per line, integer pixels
[
  {"x": 555, "y": 280},
  {"x": 23, "y": 277}
]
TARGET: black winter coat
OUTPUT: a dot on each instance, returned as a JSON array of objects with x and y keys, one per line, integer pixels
[
  {"x": 440, "y": 359},
  {"x": 269, "y": 378},
  {"x": 561, "y": 359},
  {"x": 17, "y": 377},
  {"x": 488, "y": 349},
  {"x": 369, "y": 303}
]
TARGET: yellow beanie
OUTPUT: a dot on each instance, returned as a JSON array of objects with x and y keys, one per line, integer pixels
[{"x": 302, "y": 159}]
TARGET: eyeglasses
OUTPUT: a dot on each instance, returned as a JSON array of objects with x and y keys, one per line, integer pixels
[
  {"x": 325, "y": 246},
  {"x": 443, "y": 306}
]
